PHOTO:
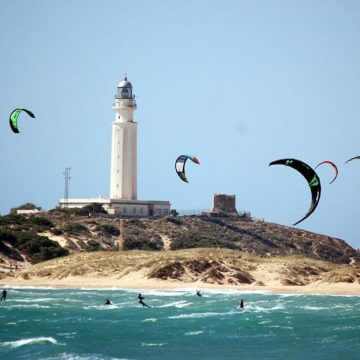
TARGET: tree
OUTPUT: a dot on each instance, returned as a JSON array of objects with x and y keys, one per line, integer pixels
[{"x": 173, "y": 212}]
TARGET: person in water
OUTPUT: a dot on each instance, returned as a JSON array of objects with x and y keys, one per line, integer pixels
[
  {"x": 3, "y": 295},
  {"x": 241, "y": 303},
  {"x": 141, "y": 298},
  {"x": 198, "y": 293},
  {"x": 108, "y": 302}
]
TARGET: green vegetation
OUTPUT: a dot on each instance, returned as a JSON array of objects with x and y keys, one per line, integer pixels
[
  {"x": 91, "y": 209},
  {"x": 108, "y": 229},
  {"x": 75, "y": 229},
  {"x": 23, "y": 223},
  {"x": 12, "y": 219},
  {"x": 93, "y": 245},
  {"x": 36, "y": 248},
  {"x": 56, "y": 231},
  {"x": 173, "y": 212},
  {"x": 142, "y": 243},
  {"x": 173, "y": 220}
]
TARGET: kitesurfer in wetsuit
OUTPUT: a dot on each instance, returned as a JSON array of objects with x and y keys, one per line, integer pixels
[
  {"x": 241, "y": 303},
  {"x": 198, "y": 293},
  {"x": 3, "y": 295},
  {"x": 141, "y": 298},
  {"x": 108, "y": 302}
]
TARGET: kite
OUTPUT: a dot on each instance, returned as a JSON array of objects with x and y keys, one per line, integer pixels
[
  {"x": 180, "y": 165},
  {"x": 353, "y": 158},
  {"x": 13, "y": 120},
  {"x": 333, "y": 165},
  {"x": 310, "y": 176}
]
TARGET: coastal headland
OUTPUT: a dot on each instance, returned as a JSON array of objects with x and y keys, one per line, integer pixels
[{"x": 62, "y": 249}]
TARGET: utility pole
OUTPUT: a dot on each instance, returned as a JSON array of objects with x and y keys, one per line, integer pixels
[
  {"x": 67, "y": 178},
  {"x": 122, "y": 234}
]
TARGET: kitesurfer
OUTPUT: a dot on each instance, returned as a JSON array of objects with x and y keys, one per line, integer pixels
[
  {"x": 241, "y": 303},
  {"x": 141, "y": 298},
  {"x": 198, "y": 293},
  {"x": 3, "y": 295},
  {"x": 108, "y": 302}
]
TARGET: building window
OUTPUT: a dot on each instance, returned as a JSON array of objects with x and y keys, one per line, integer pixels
[
  {"x": 141, "y": 210},
  {"x": 124, "y": 210},
  {"x": 134, "y": 210}
]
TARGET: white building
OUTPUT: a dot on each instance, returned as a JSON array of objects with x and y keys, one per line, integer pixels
[{"x": 123, "y": 175}]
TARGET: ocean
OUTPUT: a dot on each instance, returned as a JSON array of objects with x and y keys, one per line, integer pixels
[{"x": 45, "y": 323}]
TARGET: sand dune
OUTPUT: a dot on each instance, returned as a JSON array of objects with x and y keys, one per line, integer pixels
[{"x": 195, "y": 268}]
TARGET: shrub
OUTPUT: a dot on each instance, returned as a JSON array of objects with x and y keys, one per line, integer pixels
[
  {"x": 75, "y": 229},
  {"x": 12, "y": 219},
  {"x": 56, "y": 231},
  {"x": 93, "y": 245},
  {"x": 10, "y": 252},
  {"x": 39, "y": 223},
  {"x": 173, "y": 220},
  {"x": 108, "y": 229},
  {"x": 48, "y": 252},
  {"x": 38, "y": 248},
  {"x": 141, "y": 243}
]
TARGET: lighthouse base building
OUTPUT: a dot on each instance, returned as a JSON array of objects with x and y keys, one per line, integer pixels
[
  {"x": 123, "y": 176},
  {"x": 122, "y": 208}
]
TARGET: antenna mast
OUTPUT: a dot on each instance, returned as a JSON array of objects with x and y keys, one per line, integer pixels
[{"x": 67, "y": 177}]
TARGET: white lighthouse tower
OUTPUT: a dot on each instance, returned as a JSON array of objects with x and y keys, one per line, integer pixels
[
  {"x": 123, "y": 181},
  {"x": 123, "y": 200}
]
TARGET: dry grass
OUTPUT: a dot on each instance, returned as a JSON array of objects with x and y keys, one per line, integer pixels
[{"x": 206, "y": 265}]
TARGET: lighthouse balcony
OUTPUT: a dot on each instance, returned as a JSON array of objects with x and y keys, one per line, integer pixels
[{"x": 124, "y": 104}]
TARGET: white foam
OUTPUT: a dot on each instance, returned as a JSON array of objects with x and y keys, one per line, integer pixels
[
  {"x": 149, "y": 320},
  {"x": 256, "y": 308},
  {"x": 152, "y": 344},
  {"x": 154, "y": 292},
  {"x": 69, "y": 356},
  {"x": 196, "y": 315},
  {"x": 36, "y": 306},
  {"x": 33, "y": 300},
  {"x": 18, "y": 287},
  {"x": 315, "y": 308},
  {"x": 177, "y": 304},
  {"x": 102, "y": 307},
  {"x": 192, "y": 333},
  {"x": 22, "y": 342}
]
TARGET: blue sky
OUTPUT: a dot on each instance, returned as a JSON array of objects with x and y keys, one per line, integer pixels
[{"x": 236, "y": 83}]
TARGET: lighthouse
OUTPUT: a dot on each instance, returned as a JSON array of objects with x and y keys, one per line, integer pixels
[
  {"x": 123, "y": 201},
  {"x": 123, "y": 177}
]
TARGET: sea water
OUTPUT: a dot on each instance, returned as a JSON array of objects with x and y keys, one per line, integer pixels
[{"x": 74, "y": 324}]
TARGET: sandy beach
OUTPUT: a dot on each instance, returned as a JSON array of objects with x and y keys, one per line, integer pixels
[
  {"x": 142, "y": 283},
  {"x": 190, "y": 269}
]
